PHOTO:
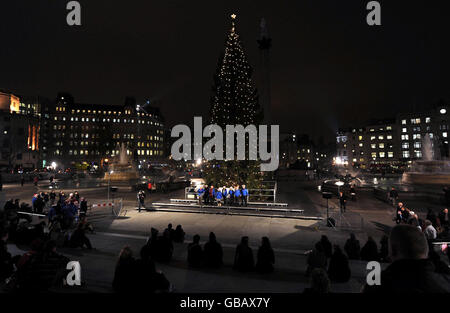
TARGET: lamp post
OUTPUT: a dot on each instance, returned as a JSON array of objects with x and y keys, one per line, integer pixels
[{"x": 109, "y": 182}]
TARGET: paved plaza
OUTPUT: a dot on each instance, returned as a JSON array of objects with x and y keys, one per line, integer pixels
[{"x": 290, "y": 238}]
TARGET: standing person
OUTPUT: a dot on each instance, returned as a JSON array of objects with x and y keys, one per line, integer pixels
[
  {"x": 230, "y": 196},
  {"x": 342, "y": 201},
  {"x": 141, "y": 200},
  {"x": 244, "y": 195},
  {"x": 211, "y": 195},
  {"x": 35, "y": 180},
  {"x": 353, "y": 193},
  {"x": 206, "y": 195},
  {"x": 265, "y": 257},
  {"x": 219, "y": 197},
  {"x": 393, "y": 196},
  {"x": 200, "y": 192},
  {"x": 316, "y": 259},
  {"x": 237, "y": 195},
  {"x": 22, "y": 180},
  {"x": 52, "y": 197},
  {"x": 224, "y": 195}
]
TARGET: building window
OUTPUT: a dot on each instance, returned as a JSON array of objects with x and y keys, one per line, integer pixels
[
  {"x": 404, "y": 130},
  {"x": 388, "y": 127},
  {"x": 372, "y": 137},
  {"x": 405, "y": 137},
  {"x": 444, "y": 134},
  {"x": 405, "y": 154},
  {"x": 417, "y": 153},
  {"x": 389, "y": 137},
  {"x": 415, "y": 121},
  {"x": 381, "y": 145},
  {"x": 373, "y": 146},
  {"x": 417, "y": 145},
  {"x": 390, "y": 154},
  {"x": 382, "y": 154},
  {"x": 416, "y": 136},
  {"x": 403, "y": 122},
  {"x": 427, "y": 119},
  {"x": 405, "y": 145}
]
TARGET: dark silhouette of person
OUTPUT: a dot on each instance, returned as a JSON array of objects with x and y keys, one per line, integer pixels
[
  {"x": 151, "y": 246},
  {"x": 79, "y": 238},
  {"x": 320, "y": 283},
  {"x": 6, "y": 264},
  {"x": 170, "y": 231},
  {"x": 125, "y": 275},
  {"x": 352, "y": 248},
  {"x": 148, "y": 279},
  {"x": 265, "y": 257},
  {"x": 164, "y": 248},
  {"x": 339, "y": 270},
  {"x": 410, "y": 272},
  {"x": 439, "y": 265},
  {"x": 243, "y": 259},
  {"x": 179, "y": 234},
  {"x": 342, "y": 201},
  {"x": 195, "y": 252},
  {"x": 369, "y": 251},
  {"x": 327, "y": 247},
  {"x": 316, "y": 259},
  {"x": 213, "y": 252},
  {"x": 384, "y": 249}
]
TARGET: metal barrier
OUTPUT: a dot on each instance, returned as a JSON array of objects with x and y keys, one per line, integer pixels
[{"x": 115, "y": 205}]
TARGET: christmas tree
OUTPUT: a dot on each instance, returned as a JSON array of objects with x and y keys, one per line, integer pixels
[{"x": 234, "y": 101}]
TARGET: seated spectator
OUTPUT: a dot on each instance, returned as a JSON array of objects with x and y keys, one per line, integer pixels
[
  {"x": 148, "y": 279},
  {"x": 439, "y": 265},
  {"x": 213, "y": 252},
  {"x": 352, "y": 248},
  {"x": 265, "y": 257},
  {"x": 370, "y": 250},
  {"x": 36, "y": 247},
  {"x": 6, "y": 264},
  {"x": 319, "y": 282},
  {"x": 316, "y": 259},
  {"x": 170, "y": 231},
  {"x": 327, "y": 247},
  {"x": 243, "y": 259},
  {"x": 79, "y": 238},
  {"x": 179, "y": 234},
  {"x": 151, "y": 245},
  {"x": 195, "y": 252},
  {"x": 125, "y": 275},
  {"x": 339, "y": 270},
  {"x": 384, "y": 249},
  {"x": 164, "y": 248},
  {"x": 430, "y": 232},
  {"x": 43, "y": 271},
  {"x": 410, "y": 272}
]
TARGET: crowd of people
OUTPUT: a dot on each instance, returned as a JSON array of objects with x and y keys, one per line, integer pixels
[
  {"x": 414, "y": 264},
  {"x": 41, "y": 267},
  {"x": 236, "y": 195},
  {"x": 133, "y": 274}
]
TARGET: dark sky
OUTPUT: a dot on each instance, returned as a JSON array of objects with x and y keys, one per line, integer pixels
[{"x": 329, "y": 68}]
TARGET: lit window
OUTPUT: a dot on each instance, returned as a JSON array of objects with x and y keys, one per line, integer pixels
[
  {"x": 405, "y": 137},
  {"x": 405, "y": 154},
  {"x": 381, "y": 145},
  {"x": 382, "y": 154},
  {"x": 427, "y": 119},
  {"x": 403, "y": 122},
  {"x": 390, "y": 154},
  {"x": 444, "y": 134}
]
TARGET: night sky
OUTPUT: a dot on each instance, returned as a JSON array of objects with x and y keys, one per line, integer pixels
[{"x": 329, "y": 69}]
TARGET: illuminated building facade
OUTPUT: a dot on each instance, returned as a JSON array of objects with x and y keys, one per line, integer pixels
[
  {"x": 19, "y": 134},
  {"x": 79, "y": 135}
]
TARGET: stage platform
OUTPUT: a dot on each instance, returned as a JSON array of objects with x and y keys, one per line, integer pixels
[
  {"x": 251, "y": 210},
  {"x": 274, "y": 204}
]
